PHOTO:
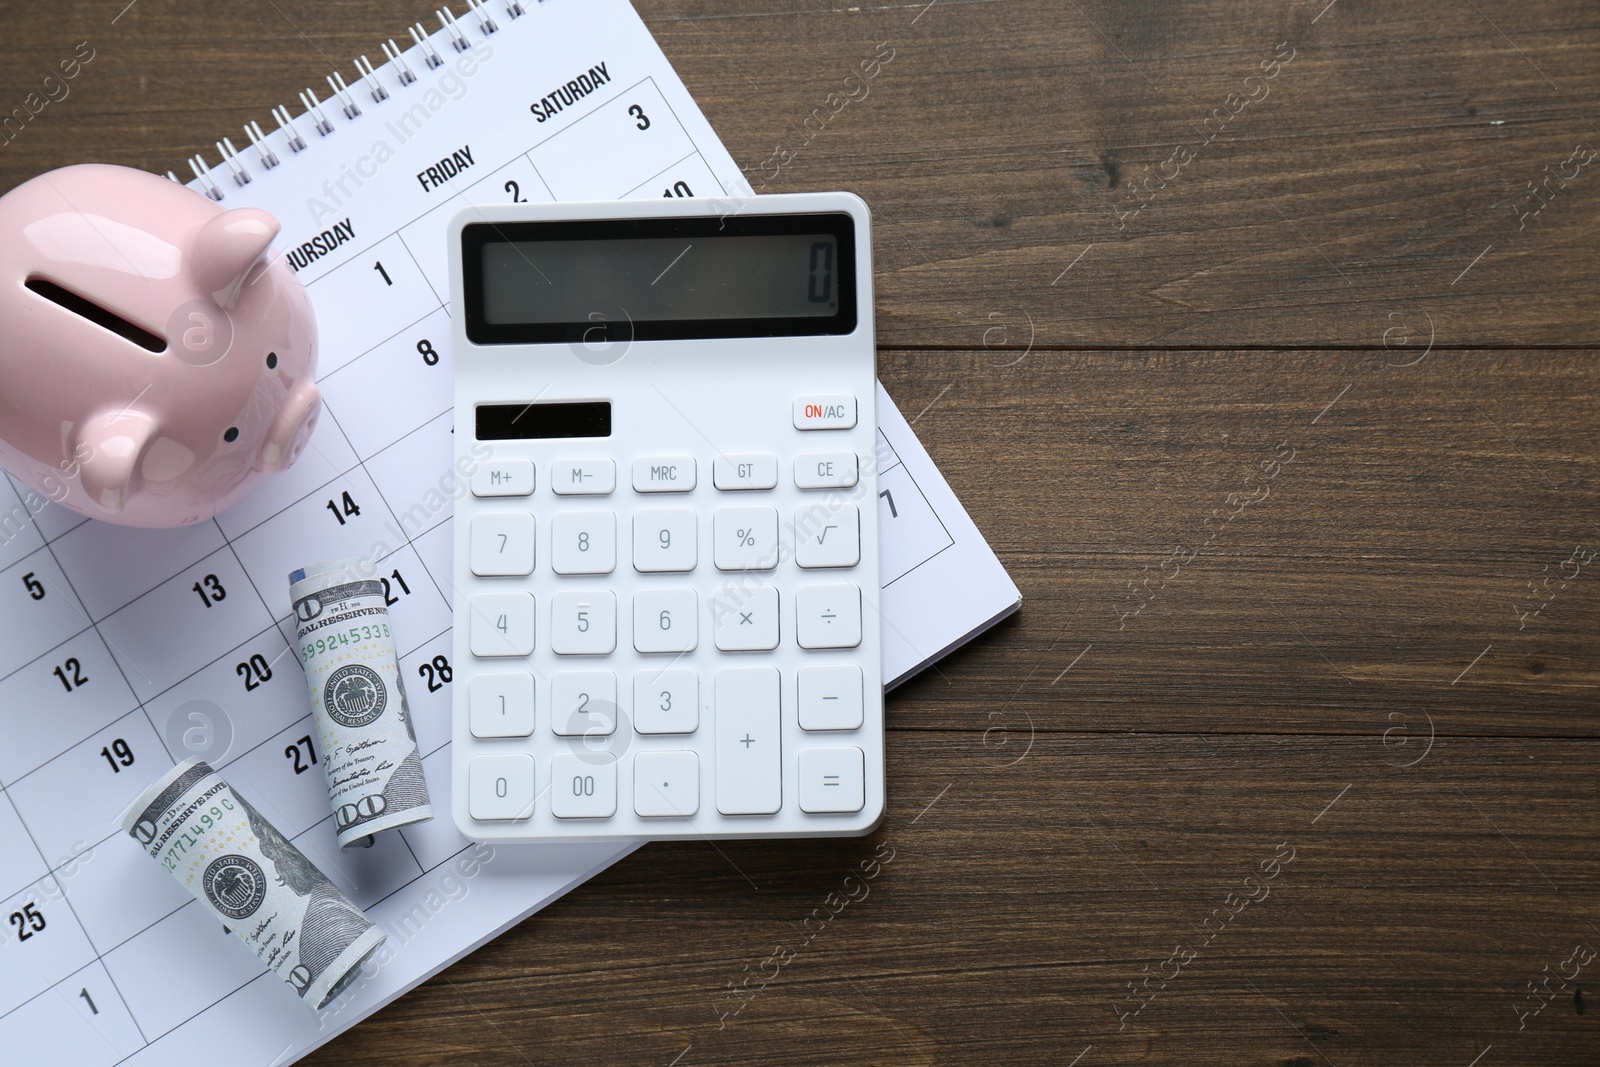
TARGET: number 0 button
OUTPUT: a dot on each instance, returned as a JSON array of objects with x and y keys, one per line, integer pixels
[{"x": 500, "y": 787}]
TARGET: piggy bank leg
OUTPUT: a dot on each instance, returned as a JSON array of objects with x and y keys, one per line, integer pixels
[
  {"x": 291, "y": 428},
  {"x": 108, "y": 449}
]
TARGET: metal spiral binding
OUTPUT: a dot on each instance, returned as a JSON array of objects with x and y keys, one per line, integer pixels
[
  {"x": 430, "y": 54},
  {"x": 203, "y": 174},
  {"x": 347, "y": 102},
  {"x": 485, "y": 21},
  {"x": 230, "y": 156},
  {"x": 314, "y": 108},
  {"x": 370, "y": 76},
  {"x": 286, "y": 124},
  {"x": 252, "y": 130},
  {"x": 397, "y": 60},
  {"x": 340, "y": 89},
  {"x": 457, "y": 38}
]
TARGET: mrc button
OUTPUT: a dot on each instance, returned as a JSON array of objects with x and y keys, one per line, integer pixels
[
  {"x": 830, "y": 411},
  {"x": 663, "y": 474}
]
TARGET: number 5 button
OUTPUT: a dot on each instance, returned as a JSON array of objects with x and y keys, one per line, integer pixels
[{"x": 583, "y": 622}]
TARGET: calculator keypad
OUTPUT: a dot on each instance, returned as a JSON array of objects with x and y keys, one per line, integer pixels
[{"x": 732, "y": 575}]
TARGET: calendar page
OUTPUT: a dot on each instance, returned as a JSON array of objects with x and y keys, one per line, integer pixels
[{"x": 124, "y": 651}]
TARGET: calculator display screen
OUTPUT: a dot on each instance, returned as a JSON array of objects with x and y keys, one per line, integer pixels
[{"x": 653, "y": 279}]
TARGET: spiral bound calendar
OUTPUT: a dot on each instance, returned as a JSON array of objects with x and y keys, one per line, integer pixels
[{"x": 123, "y": 651}]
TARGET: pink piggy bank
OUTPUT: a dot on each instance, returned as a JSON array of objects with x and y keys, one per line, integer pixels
[{"x": 154, "y": 359}]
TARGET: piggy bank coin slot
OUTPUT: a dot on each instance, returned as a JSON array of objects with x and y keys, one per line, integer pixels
[{"x": 96, "y": 314}]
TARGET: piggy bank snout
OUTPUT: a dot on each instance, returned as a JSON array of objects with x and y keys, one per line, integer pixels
[{"x": 291, "y": 428}]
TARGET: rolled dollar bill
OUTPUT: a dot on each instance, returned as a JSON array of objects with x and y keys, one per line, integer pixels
[
  {"x": 369, "y": 748},
  {"x": 253, "y": 879}
]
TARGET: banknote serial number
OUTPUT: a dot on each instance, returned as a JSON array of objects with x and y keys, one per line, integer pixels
[
  {"x": 194, "y": 832},
  {"x": 353, "y": 636}
]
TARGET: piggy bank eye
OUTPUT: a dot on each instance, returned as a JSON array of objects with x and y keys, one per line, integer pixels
[
  {"x": 272, "y": 360},
  {"x": 231, "y": 435}
]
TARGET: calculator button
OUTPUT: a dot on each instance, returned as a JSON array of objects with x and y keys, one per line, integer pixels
[
  {"x": 830, "y": 697},
  {"x": 506, "y": 477},
  {"x": 666, "y": 784},
  {"x": 832, "y": 779},
  {"x": 502, "y": 624},
  {"x": 831, "y": 539},
  {"x": 583, "y": 477},
  {"x": 749, "y": 756},
  {"x": 754, "y": 470},
  {"x": 746, "y": 619},
  {"x": 666, "y": 701},
  {"x": 745, "y": 539},
  {"x": 825, "y": 470},
  {"x": 583, "y": 542},
  {"x": 501, "y": 705},
  {"x": 828, "y": 616},
  {"x": 583, "y": 786},
  {"x": 664, "y": 620},
  {"x": 502, "y": 544},
  {"x": 830, "y": 411},
  {"x": 583, "y": 703},
  {"x": 500, "y": 787},
  {"x": 583, "y": 622},
  {"x": 663, "y": 474},
  {"x": 664, "y": 540}
]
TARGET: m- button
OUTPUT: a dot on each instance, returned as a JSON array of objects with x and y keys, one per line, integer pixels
[
  {"x": 583, "y": 477},
  {"x": 829, "y": 411}
]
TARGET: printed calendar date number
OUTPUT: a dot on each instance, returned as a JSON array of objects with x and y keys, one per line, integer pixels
[
  {"x": 28, "y": 921},
  {"x": 294, "y": 752},
  {"x": 438, "y": 673},
  {"x": 210, "y": 590},
  {"x": 344, "y": 508},
  {"x": 71, "y": 674},
  {"x": 254, "y": 671},
  {"x": 640, "y": 119},
  {"x": 389, "y": 599},
  {"x": 32, "y": 584},
  {"x": 426, "y": 350},
  {"x": 118, "y": 754}
]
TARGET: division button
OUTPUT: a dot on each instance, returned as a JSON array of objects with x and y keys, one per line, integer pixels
[{"x": 828, "y": 616}]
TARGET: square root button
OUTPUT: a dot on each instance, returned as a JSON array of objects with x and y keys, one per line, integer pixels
[{"x": 832, "y": 780}]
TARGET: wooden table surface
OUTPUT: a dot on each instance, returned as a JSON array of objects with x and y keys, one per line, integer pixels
[{"x": 1255, "y": 337}]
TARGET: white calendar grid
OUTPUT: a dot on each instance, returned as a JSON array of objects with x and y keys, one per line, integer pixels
[{"x": 113, "y": 640}]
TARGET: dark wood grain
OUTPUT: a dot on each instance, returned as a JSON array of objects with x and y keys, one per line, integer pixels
[{"x": 1337, "y": 654}]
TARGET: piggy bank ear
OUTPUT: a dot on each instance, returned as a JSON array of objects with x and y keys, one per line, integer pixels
[
  {"x": 109, "y": 447},
  {"x": 227, "y": 247}
]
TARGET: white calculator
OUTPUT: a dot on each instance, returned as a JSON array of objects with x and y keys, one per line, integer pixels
[{"x": 666, "y": 572}]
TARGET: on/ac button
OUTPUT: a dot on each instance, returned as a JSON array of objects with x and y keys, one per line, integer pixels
[{"x": 829, "y": 411}]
